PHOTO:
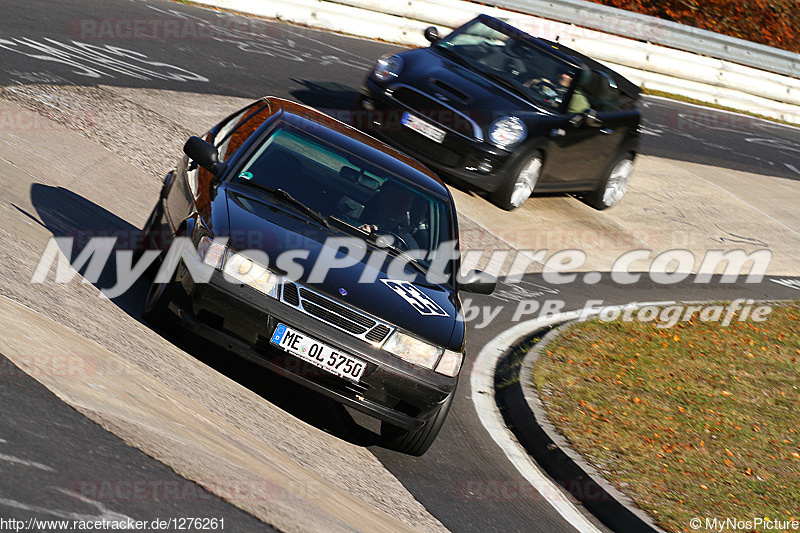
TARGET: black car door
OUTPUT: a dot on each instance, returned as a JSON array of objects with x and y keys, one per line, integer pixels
[{"x": 581, "y": 148}]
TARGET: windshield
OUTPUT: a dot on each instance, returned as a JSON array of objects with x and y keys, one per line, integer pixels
[
  {"x": 344, "y": 187},
  {"x": 512, "y": 60}
]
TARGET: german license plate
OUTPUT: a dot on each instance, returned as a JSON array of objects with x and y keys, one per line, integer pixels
[
  {"x": 422, "y": 127},
  {"x": 318, "y": 353}
]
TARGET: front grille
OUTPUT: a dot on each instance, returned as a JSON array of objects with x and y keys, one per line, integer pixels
[
  {"x": 443, "y": 115},
  {"x": 336, "y": 308},
  {"x": 378, "y": 333},
  {"x": 290, "y": 295},
  {"x": 343, "y": 317},
  {"x": 332, "y": 318}
]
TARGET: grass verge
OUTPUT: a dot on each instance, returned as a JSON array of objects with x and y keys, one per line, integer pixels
[{"x": 697, "y": 420}]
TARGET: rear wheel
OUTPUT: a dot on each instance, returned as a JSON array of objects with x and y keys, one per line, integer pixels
[
  {"x": 416, "y": 442},
  {"x": 516, "y": 192},
  {"x": 613, "y": 187}
]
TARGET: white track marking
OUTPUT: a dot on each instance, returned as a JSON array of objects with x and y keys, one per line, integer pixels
[{"x": 482, "y": 385}]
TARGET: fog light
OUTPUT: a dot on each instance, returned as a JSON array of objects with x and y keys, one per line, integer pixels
[{"x": 485, "y": 166}]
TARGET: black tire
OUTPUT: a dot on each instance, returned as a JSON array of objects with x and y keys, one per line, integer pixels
[
  {"x": 147, "y": 242},
  {"x": 513, "y": 194},
  {"x": 614, "y": 184},
  {"x": 416, "y": 442},
  {"x": 157, "y": 300}
]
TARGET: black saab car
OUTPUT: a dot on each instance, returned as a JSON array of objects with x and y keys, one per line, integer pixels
[
  {"x": 304, "y": 245},
  {"x": 507, "y": 113}
]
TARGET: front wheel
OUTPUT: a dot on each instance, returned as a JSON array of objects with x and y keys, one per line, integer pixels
[
  {"x": 159, "y": 296},
  {"x": 516, "y": 192},
  {"x": 149, "y": 241},
  {"x": 416, "y": 442},
  {"x": 613, "y": 187}
]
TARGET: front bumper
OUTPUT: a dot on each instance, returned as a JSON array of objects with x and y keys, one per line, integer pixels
[
  {"x": 460, "y": 156},
  {"x": 242, "y": 320}
]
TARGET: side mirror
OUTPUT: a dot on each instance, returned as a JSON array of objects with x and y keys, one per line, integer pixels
[
  {"x": 204, "y": 153},
  {"x": 431, "y": 34},
  {"x": 477, "y": 282}
]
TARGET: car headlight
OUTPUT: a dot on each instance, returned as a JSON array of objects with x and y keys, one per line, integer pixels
[
  {"x": 241, "y": 269},
  {"x": 450, "y": 363},
  {"x": 211, "y": 253},
  {"x": 507, "y": 131},
  {"x": 388, "y": 67},
  {"x": 412, "y": 349}
]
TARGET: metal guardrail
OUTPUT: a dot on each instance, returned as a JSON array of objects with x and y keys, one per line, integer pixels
[
  {"x": 662, "y": 32},
  {"x": 653, "y": 66}
]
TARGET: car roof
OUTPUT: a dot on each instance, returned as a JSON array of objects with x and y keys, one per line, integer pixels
[
  {"x": 623, "y": 83},
  {"x": 565, "y": 54},
  {"x": 356, "y": 142}
]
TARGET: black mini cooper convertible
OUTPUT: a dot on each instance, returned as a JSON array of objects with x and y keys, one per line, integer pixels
[
  {"x": 304, "y": 245},
  {"x": 504, "y": 112}
]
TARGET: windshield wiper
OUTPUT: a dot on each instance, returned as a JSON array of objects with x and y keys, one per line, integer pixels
[
  {"x": 380, "y": 242},
  {"x": 507, "y": 84},
  {"x": 499, "y": 79},
  {"x": 289, "y": 199},
  {"x": 348, "y": 226},
  {"x": 454, "y": 56}
]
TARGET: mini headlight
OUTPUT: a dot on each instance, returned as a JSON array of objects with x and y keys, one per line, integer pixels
[
  {"x": 388, "y": 67},
  {"x": 507, "y": 131},
  {"x": 241, "y": 269},
  {"x": 412, "y": 349},
  {"x": 450, "y": 363}
]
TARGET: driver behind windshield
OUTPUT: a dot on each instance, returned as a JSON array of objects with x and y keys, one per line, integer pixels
[
  {"x": 388, "y": 213},
  {"x": 578, "y": 103}
]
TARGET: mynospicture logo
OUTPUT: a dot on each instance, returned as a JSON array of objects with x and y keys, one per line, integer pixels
[{"x": 405, "y": 269}]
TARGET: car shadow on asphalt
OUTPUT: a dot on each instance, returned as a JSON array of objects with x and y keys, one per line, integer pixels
[
  {"x": 67, "y": 214},
  {"x": 325, "y": 95}
]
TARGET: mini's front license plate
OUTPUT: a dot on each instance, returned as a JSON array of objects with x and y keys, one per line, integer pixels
[
  {"x": 422, "y": 127},
  {"x": 318, "y": 353}
]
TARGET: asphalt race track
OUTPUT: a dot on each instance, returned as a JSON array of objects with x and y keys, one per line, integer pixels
[{"x": 114, "y": 110}]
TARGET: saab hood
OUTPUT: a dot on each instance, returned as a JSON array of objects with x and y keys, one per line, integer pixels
[{"x": 334, "y": 263}]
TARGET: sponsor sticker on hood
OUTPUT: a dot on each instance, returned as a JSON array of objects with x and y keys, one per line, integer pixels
[{"x": 420, "y": 301}]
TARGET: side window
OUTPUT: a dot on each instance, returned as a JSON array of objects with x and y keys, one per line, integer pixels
[
  {"x": 601, "y": 91},
  {"x": 231, "y": 135},
  {"x": 222, "y": 139}
]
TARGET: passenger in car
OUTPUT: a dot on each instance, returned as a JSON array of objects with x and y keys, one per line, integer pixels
[{"x": 578, "y": 103}]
